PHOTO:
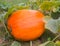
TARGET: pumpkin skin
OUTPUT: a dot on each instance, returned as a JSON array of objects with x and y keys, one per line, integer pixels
[{"x": 26, "y": 25}]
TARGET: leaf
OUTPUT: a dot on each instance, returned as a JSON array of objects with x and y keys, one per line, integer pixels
[
  {"x": 22, "y": 6},
  {"x": 47, "y": 5},
  {"x": 15, "y": 43},
  {"x": 33, "y": 0},
  {"x": 58, "y": 23},
  {"x": 2, "y": 16},
  {"x": 57, "y": 43},
  {"x": 34, "y": 5},
  {"x": 47, "y": 36},
  {"x": 57, "y": 4},
  {"x": 9, "y": 12},
  {"x": 50, "y": 5},
  {"x": 53, "y": 25},
  {"x": 13, "y": 8},
  {"x": 55, "y": 15},
  {"x": 48, "y": 43},
  {"x": 16, "y": 1}
]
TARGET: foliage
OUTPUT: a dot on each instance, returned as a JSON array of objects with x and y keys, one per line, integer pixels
[{"x": 51, "y": 9}]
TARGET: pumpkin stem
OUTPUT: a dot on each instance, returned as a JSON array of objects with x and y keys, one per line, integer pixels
[{"x": 30, "y": 43}]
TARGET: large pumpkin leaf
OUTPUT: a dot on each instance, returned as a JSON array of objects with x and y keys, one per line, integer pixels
[
  {"x": 52, "y": 24},
  {"x": 15, "y": 43}
]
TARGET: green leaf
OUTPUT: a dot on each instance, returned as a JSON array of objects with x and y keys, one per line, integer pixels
[
  {"x": 57, "y": 4},
  {"x": 58, "y": 23},
  {"x": 33, "y": 0},
  {"x": 15, "y": 43},
  {"x": 13, "y": 8},
  {"x": 50, "y": 5},
  {"x": 34, "y": 5},
  {"x": 57, "y": 43},
  {"x": 53, "y": 25},
  {"x": 22, "y": 6},
  {"x": 47, "y": 36},
  {"x": 9, "y": 12},
  {"x": 2, "y": 16},
  {"x": 55, "y": 15},
  {"x": 46, "y": 5},
  {"x": 15, "y": 1}
]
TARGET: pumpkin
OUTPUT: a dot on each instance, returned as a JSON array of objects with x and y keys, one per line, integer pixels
[{"x": 26, "y": 24}]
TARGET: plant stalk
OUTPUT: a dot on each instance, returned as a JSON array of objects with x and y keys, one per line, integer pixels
[{"x": 56, "y": 37}]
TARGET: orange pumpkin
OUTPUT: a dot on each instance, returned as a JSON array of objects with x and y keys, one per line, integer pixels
[{"x": 26, "y": 24}]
